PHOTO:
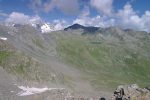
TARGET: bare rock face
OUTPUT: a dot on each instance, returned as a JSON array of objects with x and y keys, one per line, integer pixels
[{"x": 131, "y": 92}]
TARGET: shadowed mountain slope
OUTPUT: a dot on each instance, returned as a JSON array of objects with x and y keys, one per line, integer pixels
[{"x": 89, "y": 29}]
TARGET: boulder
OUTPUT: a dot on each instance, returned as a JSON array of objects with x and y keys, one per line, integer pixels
[{"x": 131, "y": 92}]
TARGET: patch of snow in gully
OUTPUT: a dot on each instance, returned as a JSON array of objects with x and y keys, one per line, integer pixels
[
  {"x": 26, "y": 91},
  {"x": 3, "y": 38}
]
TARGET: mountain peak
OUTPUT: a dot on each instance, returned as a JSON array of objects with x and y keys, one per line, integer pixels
[
  {"x": 87, "y": 29},
  {"x": 75, "y": 26}
]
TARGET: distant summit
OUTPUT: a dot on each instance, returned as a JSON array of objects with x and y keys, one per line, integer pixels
[
  {"x": 87, "y": 29},
  {"x": 74, "y": 27}
]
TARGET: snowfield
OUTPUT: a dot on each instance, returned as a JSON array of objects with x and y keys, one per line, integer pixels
[
  {"x": 46, "y": 28},
  {"x": 26, "y": 91},
  {"x": 3, "y": 38}
]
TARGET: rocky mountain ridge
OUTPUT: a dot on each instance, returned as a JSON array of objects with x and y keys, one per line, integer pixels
[{"x": 86, "y": 65}]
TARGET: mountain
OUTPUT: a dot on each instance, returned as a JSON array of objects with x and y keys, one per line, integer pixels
[
  {"x": 89, "y": 29},
  {"x": 60, "y": 62},
  {"x": 43, "y": 27},
  {"x": 75, "y": 26}
]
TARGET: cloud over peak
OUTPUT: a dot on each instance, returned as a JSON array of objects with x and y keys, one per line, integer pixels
[
  {"x": 18, "y": 18},
  {"x": 65, "y": 6},
  {"x": 125, "y": 17},
  {"x": 103, "y": 6},
  {"x": 128, "y": 18},
  {"x": 36, "y": 5},
  {"x": 21, "y": 18},
  {"x": 98, "y": 21}
]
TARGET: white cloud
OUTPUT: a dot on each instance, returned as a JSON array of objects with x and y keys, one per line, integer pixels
[
  {"x": 85, "y": 12},
  {"x": 125, "y": 18},
  {"x": 103, "y": 6},
  {"x": 66, "y": 6},
  {"x": 18, "y": 18},
  {"x": 36, "y": 5},
  {"x": 21, "y": 18},
  {"x": 35, "y": 19},
  {"x": 128, "y": 18},
  {"x": 146, "y": 21},
  {"x": 97, "y": 21},
  {"x": 59, "y": 24}
]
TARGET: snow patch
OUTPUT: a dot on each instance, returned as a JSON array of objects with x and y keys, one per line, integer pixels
[
  {"x": 3, "y": 38},
  {"x": 47, "y": 28},
  {"x": 26, "y": 91},
  {"x": 11, "y": 91}
]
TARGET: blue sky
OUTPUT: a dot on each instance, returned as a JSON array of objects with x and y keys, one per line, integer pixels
[
  {"x": 23, "y": 6},
  {"x": 103, "y": 13}
]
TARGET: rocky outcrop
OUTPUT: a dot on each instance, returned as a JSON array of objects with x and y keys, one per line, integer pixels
[{"x": 131, "y": 92}]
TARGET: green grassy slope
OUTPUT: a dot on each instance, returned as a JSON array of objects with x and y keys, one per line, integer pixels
[
  {"x": 108, "y": 64},
  {"x": 21, "y": 65}
]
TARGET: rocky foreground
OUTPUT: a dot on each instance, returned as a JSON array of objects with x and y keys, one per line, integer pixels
[
  {"x": 123, "y": 92},
  {"x": 132, "y": 92}
]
